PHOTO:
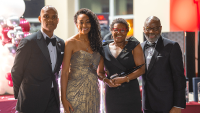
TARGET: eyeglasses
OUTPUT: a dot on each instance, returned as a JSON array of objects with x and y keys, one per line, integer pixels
[
  {"x": 154, "y": 28},
  {"x": 123, "y": 30}
]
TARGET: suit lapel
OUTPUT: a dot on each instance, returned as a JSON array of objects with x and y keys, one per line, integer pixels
[
  {"x": 153, "y": 59},
  {"x": 143, "y": 48},
  {"x": 43, "y": 46},
  {"x": 157, "y": 50},
  {"x": 58, "y": 48}
]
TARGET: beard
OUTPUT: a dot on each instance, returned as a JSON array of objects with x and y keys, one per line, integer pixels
[{"x": 152, "y": 40}]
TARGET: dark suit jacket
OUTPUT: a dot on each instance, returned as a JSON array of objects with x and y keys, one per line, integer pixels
[
  {"x": 164, "y": 82},
  {"x": 32, "y": 73},
  {"x": 107, "y": 37}
]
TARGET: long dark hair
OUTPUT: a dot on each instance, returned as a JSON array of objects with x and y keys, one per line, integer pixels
[{"x": 94, "y": 35}]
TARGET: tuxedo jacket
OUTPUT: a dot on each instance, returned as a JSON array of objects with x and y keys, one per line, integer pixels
[
  {"x": 164, "y": 82},
  {"x": 32, "y": 73}
]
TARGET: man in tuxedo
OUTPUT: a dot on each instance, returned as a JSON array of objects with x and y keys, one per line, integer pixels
[
  {"x": 107, "y": 37},
  {"x": 164, "y": 81},
  {"x": 36, "y": 67}
]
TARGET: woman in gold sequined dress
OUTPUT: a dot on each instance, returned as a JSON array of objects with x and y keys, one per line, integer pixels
[{"x": 79, "y": 80}]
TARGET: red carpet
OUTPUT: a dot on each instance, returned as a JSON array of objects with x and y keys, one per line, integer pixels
[
  {"x": 7, "y": 104},
  {"x": 191, "y": 107}
]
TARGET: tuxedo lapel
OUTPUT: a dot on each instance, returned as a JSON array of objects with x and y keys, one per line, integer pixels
[
  {"x": 143, "y": 46},
  {"x": 157, "y": 50},
  {"x": 153, "y": 59},
  {"x": 58, "y": 48},
  {"x": 43, "y": 46}
]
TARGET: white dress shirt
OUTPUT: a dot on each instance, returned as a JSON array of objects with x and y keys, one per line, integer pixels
[
  {"x": 149, "y": 53},
  {"x": 52, "y": 52}
]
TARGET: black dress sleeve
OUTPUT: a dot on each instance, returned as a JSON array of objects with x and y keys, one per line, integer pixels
[{"x": 133, "y": 42}]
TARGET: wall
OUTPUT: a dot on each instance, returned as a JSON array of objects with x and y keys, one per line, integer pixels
[
  {"x": 66, "y": 11},
  {"x": 145, "y": 8},
  {"x": 142, "y": 9}
]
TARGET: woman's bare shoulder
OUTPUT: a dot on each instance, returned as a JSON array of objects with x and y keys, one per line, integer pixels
[{"x": 71, "y": 41}]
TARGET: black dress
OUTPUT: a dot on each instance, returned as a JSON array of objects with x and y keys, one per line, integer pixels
[{"x": 125, "y": 98}]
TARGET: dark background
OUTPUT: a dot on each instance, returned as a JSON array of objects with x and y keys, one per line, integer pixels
[{"x": 32, "y": 8}]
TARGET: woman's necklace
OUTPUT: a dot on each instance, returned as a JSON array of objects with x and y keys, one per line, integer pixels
[{"x": 87, "y": 49}]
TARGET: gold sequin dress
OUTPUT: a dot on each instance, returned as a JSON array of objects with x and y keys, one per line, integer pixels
[{"x": 82, "y": 88}]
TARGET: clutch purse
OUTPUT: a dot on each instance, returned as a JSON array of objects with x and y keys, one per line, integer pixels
[{"x": 127, "y": 72}]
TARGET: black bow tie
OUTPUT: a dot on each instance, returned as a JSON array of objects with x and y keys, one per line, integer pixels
[
  {"x": 52, "y": 40},
  {"x": 150, "y": 45}
]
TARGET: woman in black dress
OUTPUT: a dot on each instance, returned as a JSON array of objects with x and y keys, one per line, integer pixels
[{"x": 119, "y": 55}]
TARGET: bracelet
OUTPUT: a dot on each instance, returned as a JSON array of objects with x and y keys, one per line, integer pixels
[
  {"x": 128, "y": 79},
  {"x": 104, "y": 78}
]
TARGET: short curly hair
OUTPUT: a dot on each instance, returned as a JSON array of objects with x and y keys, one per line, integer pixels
[
  {"x": 94, "y": 35},
  {"x": 119, "y": 20}
]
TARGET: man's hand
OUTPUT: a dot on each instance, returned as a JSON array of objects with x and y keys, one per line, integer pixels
[{"x": 175, "y": 110}]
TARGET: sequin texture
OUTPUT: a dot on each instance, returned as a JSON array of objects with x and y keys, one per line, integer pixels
[{"x": 82, "y": 88}]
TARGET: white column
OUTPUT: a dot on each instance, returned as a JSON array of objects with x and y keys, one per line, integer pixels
[
  {"x": 111, "y": 11},
  {"x": 66, "y": 11}
]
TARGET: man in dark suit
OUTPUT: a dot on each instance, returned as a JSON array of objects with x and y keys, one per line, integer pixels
[
  {"x": 36, "y": 67},
  {"x": 107, "y": 37},
  {"x": 164, "y": 81}
]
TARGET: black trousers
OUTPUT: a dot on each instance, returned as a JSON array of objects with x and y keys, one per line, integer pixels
[
  {"x": 150, "y": 111},
  {"x": 52, "y": 106}
]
